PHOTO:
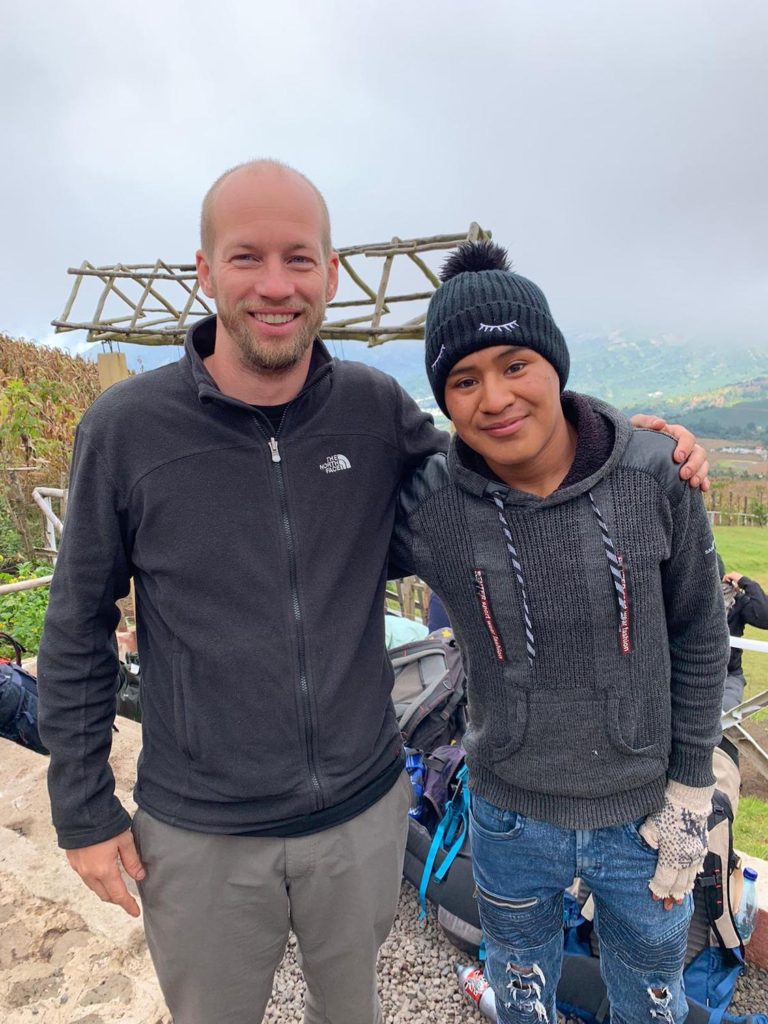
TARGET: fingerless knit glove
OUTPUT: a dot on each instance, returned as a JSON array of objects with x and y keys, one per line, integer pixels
[{"x": 679, "y": 832}]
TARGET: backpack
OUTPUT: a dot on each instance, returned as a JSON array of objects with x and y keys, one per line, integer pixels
[
  {"x": 129, "y": 691},
  {"x": 430, "y": 701},
  {"x": 429, "y": 691},
  {"x": 437, "y": 862},
  {"x": 18, "y": 700},
  {"x": 715, "y": 953}
]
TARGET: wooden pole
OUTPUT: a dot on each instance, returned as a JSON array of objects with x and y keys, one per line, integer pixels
[
  {"x": 112, "y": 368},
  {"x": 165, "y": 324},
  {"x": 13, "y": 588}
]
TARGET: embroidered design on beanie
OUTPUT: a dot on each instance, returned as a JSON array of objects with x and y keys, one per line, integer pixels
[
  {"x": 501, "y": 328},
  {"x": 439, "y": 355}
]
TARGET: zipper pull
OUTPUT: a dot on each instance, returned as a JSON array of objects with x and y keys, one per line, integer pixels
[{"x": 273, "y": 448}]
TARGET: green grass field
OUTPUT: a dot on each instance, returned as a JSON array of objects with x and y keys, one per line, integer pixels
[
  {"x": 744, "y": 549},
  {"x": 750, "y": 830}
]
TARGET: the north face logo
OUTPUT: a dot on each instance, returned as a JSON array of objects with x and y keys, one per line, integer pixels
[{"x": 335, "y": 463}]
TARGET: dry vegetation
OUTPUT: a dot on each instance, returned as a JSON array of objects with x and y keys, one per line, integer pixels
[{"x": 43, "y": 394}]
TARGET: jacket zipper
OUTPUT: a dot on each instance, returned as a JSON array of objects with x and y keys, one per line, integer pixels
[{"x": 293, "y": 577}]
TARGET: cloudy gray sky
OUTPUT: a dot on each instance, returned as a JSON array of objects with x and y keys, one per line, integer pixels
[{"x": 619, "y": 149}]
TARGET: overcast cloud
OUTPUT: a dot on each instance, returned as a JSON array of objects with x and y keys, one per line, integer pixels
[{"x": 618, "y": 149}]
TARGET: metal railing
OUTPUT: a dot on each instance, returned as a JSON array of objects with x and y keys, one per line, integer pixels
[
  {"x": 38, "y": 581},
  {"x": 725, "y": 517},
  {"x": 732, "y": 721},
  {"x": 42, "y": 497}
]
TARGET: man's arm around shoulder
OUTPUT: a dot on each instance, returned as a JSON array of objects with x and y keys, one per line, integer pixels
[{"x": 416, "y": 431}]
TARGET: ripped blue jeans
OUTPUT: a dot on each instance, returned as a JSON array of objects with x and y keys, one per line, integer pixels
[{"x": 522, "y": 867}]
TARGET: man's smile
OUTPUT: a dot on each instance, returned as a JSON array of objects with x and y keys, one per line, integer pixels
[
  {"x": 274, "y": 323},
  {"x": 505, "y": 428},
  {"x": 274, "y": 318}
]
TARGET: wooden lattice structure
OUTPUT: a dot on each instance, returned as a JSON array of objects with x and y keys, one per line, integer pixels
[{"x": 155, "y": 304}]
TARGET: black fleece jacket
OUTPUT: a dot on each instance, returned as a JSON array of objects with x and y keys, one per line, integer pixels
[{"x": 259, "y": 566}]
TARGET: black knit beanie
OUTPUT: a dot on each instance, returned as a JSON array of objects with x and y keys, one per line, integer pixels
[{"x": 482, "y": 303}]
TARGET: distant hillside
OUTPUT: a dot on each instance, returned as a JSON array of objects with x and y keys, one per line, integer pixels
[
  {"x": 664, "y": 374},
  {"x": 747, "y": 421},
  {"x": 734, "y": 411},
  {"x": 644, "y": 373},
  {"x": 628, "y": 371}
]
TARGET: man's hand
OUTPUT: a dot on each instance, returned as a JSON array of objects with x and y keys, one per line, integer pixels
[
  {"x": 695, "y": 468},
  {"x": 734, "y": 578},
  {"x": 99, "y": 868}
]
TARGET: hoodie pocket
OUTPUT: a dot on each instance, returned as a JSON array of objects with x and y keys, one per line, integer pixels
[
  {"x": 497, "y": 728},
  {"x": 654, "y": 725},
  {"x": 570, "y": 746},
  {"x": 507, "y": 731}
]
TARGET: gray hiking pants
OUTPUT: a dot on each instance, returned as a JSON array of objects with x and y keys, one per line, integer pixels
[{"x": 218, "y": 911}]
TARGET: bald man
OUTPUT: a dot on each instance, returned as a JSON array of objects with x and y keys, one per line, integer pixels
[{"x": 249, "y": 491}]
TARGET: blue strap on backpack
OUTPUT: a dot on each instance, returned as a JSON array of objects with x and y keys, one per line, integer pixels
[
  {"x": 449, "y": 836},
  {"x": 709, "y": 983}
]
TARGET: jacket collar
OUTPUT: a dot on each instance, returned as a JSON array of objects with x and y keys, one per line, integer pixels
[{"x": 200, "y": 343}]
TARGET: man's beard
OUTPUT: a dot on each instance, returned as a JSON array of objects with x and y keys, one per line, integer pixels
[{"x": 271, "y": 355}]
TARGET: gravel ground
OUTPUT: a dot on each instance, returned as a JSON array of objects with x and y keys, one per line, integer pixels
[
  {"x": 67, "y": 958},
  {"x": 418, "y": 984}
]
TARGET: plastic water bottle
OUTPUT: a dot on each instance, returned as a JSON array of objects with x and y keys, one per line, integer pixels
[
  {"x": 746, "y": 916},
  {"x": 472, "y": 982}
]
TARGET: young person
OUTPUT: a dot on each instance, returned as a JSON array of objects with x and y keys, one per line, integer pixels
[{"x": 581, "y": 580}]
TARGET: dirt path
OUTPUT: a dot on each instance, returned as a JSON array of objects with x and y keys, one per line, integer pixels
[
  {"x": 753, "y": 783},
  {"x": 65, "y": 957}
]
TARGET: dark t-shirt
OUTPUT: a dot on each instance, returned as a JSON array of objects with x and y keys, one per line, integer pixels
[{"x": 274, "y": 414}]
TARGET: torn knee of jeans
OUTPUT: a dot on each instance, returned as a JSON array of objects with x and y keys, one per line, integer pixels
[
  {"x": 525, "y": 985},
  {"x": 660, "y": 1003}
]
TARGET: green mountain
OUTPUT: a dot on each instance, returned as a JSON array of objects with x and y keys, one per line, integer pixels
[
  {"x": 667, "y": 375},
  {"x": 719, "y": 390},
  {"x": 735, "y": 411}
]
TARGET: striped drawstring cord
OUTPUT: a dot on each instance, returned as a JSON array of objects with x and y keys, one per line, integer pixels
[
  {"x": 529, "y": 641},
  {"x": 613, "y": 561}
]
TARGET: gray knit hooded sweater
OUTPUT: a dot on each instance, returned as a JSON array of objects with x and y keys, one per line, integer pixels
[{"x": 591, "y": 623}]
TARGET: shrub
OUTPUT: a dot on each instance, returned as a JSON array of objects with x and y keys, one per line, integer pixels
[{"x": 22, "y": 612}]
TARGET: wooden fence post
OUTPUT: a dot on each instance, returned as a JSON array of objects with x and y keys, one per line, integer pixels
[{"x": 112, "y": 368}]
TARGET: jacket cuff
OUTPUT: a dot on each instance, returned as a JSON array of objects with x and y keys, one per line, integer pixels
[
  {"x": 77, "y": 840},
  {"x": 697, "y": 799},
  {"x": 691, "y": 766}
]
